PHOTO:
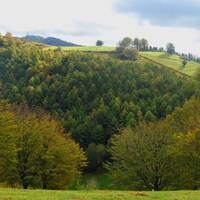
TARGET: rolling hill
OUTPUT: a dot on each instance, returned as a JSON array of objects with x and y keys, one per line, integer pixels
[
  {"x": 80, "y": 87},
  {"x": 173, "y": 62},
  {"x": 48, "y": 41}
]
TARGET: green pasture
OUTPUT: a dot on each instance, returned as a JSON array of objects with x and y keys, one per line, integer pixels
[
  {"x": 19, "y": 194},
  {"x": 172, "y": 61}
]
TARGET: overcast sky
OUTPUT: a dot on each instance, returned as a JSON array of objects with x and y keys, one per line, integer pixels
[{"x": 85, "y": 21}]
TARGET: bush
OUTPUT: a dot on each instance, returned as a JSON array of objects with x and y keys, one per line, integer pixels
[
  {"x": 129, "y": 54},
  {"x": 184, "y": 63}
]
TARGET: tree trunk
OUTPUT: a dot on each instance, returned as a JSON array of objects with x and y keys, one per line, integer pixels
[
  {"x": 44, "y": 186},
  {"x": 44, "y": 182},
  {"x": 25, "y": 186}
]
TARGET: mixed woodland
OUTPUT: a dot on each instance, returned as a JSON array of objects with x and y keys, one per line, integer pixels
[{"x": 67, "y": 113}]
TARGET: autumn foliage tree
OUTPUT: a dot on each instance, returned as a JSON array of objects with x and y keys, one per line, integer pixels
[
  {"x": 8, "y": 148},
  {"x": 35, "y": 152},
  {"x": 187, "y": 154},
  {"x": 47, "y": 157},
  {"x": 185, "y": 124}
]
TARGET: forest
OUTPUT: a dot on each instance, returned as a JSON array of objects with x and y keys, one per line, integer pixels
[{"x": 113, "y": 115}]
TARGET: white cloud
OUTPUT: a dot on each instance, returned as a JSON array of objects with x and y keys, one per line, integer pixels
[{"x": 85, "y": 21}]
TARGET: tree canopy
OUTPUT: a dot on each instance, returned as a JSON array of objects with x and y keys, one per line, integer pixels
[
  {"x": 34, "y": 151},
  {"x": 159, "y": 155},
  {"x": 92, "y": 95},
  {"x": 170, "y": 48}
]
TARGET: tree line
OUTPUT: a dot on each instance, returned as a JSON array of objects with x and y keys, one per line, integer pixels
[{"x": 190, "y": 56}]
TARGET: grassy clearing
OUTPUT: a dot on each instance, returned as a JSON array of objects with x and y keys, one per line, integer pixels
[
  {"x": 86, "y": 48},
  {"x": 172, "y": 61},
  {"x": 17, "y": 194}
]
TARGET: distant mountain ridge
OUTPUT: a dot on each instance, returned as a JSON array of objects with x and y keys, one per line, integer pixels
[{"x": 48, "y": 41}]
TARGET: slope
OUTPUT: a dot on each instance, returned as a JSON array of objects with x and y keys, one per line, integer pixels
[{"x": 171, "y": 61}]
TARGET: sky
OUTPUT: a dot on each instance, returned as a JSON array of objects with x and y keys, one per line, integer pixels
[{"x": 85, "y": 21}]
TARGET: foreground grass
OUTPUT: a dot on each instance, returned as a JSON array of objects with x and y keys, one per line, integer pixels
[
  {"x": 17, "y": 194},
  {"x": 86, "y": 48},
  {"x": 172, "y": 61}
]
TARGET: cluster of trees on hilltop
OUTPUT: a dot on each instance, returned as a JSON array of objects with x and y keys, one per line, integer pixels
[
  {"x": 127, "y": 48},
  {"x": 93, "y": 96},
  {"x": 190, "y": 56},
  {"x": 34, "y": 151},
  {"x": 143, "y": 45},
  {"x": 159, "y": 155}
]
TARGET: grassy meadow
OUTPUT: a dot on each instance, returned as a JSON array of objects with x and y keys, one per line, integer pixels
[
  {"x": 18, "y": 194},
  {"x": 172, "y": 61},
  {"x": 85, "y": 48}
]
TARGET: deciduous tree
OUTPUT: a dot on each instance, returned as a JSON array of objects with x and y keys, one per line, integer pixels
[
  {"x": 170, "y": 48},
  {"x": 140, "y": 157}
]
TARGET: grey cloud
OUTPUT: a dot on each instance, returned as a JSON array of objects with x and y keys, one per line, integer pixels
[{"x": 183, "y": 13}]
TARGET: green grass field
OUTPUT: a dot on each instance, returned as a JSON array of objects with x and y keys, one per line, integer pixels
[
  {"x": 172, "y": 61},
  {"x": 17, "y": 194},
  {"x": 85, "y": 48}
]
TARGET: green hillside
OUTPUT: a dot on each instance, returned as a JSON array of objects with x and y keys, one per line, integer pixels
[
  {"x": 80, "y": 87},
  {"x": 14, "y": 194},
  {"x": 172, "y": 61}
]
